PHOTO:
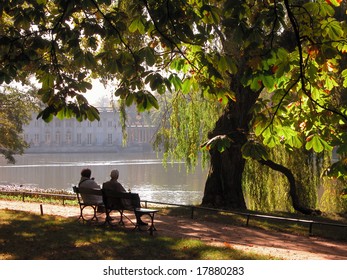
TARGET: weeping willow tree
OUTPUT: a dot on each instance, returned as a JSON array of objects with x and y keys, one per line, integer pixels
[
  {"x": 268, "y": 190},
  {"x": 333, "y": 195},
  {"x": 184, "y": 123}
]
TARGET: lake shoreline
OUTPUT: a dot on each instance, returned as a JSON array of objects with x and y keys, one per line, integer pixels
[{"x": 29, "y": 188}]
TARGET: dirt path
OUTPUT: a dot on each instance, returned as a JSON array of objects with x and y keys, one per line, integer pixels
[{"x": 280, "y": 245}]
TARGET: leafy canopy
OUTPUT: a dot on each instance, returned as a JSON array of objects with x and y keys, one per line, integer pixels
[
  {"x": 15, "y": 111},
  {"x": 295, "y": 52}
]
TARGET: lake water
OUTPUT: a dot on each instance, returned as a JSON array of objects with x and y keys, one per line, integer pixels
[{"x": 141, "y": 172}]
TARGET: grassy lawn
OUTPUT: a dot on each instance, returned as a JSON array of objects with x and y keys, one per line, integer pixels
[{"x": 28, "y": 236}]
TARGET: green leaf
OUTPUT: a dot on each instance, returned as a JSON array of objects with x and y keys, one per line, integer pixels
[
  {"x": 333, "y": 29},
  {"x": 254, "y": 150},
  {"x": 176, "y": 81},
  {"x": 271, "y": 141},
  {"x": 47, "y": 81},
  {"x": 122, "y": 92},
  {"x": 92, "y": 113},
  {"x": 137, "y": 25},
  {"x": 268, "y": 81},
  {"x": 294, "y": 142},
  {"x": 61, "y": 114},
  {"x": 316, "y": 143},
  {"x": 89, "y": 60},
  {"x": 286, "y": 132},
  {"x": 256, "y": 83},
  {"x": 186, "y": 86},
  {"x": 47, "y": 114},
  {"x": 155, "y": 81},
  {"x": 344, "y": 75},
  {"x": 153, "y": 101},
  {"x": 150, "y": 58},
  {"x": 129, "y": 99},
  {"x": 112, "y": 66}
]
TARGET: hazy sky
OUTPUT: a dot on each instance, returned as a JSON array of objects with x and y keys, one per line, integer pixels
[{"x": 97, "y": 93}]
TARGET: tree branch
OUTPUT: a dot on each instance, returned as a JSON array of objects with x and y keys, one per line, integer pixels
[
  {"x": 115, "y": 28},
  {"x": 167, "y": 38},
  {"x": 292, "y": 187}
]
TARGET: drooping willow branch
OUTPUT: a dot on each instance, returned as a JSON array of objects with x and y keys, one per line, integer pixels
[{"x": 292, "y": 187}]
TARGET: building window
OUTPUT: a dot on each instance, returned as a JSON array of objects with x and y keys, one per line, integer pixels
[
  {"x": 68, "y": 138},
  {"x": 109, "y": 123},
  {"x": 89, "y": 138},
  {"x": 57, "y": 123},
  {"x": 79, "y": 139},
  {"x": 48, "y": 138},
  {"x": 109, "y": 138},
  {"x": 36, "y": 139},
  {"x": 57, "y": 138},
  {"x": 99, "y": 124},
  {"x": 89, "y": 124}
]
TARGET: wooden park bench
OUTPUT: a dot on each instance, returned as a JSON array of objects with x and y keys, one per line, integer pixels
[
  {"x": 114, "y": 201},
  {"x": 84, "y": 204},
  {"x": 122, "y": 201}
]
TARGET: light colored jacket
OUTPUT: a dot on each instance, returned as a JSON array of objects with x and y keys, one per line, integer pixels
[{"x": 86, "y": 183}]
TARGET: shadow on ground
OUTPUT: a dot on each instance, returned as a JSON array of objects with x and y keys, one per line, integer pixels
[{"x": 28, "y": 236}]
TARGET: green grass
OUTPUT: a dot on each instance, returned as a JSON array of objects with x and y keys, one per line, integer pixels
[
  {"x": 26, "y": 236},
  {"x": 46, "y": 197}
]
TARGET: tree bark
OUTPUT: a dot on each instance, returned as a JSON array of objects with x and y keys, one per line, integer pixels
[{"x": 223, "y": 186}]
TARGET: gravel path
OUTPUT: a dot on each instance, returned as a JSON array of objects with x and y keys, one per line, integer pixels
[{"x": 279, "y": 245}]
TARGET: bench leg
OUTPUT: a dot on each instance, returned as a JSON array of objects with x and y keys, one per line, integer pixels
[
  {"x": 151, "y": 227},
  {"x": 94, "y": 218},
  {"x": 109, "y": 219}
]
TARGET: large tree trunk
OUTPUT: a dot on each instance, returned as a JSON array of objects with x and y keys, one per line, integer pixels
[
  {"x": 224, "y": 183},
  {"x": 223, "y": 187}
]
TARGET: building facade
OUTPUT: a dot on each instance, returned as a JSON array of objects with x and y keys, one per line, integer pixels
[{"x": 70, "y": 135}]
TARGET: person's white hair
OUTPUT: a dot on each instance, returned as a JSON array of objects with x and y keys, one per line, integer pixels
[{"x": 114, "y": 174}]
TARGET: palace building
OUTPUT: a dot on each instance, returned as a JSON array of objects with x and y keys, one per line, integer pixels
[{"x": 70, "y": 135}]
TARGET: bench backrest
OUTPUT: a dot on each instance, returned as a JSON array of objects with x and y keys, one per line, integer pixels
[
  {"x": 79, "y": 192},
  {"x": 120, "y": 200}
]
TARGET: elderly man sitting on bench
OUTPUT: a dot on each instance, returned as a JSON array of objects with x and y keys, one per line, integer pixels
[{"x": 114, "y": 186}]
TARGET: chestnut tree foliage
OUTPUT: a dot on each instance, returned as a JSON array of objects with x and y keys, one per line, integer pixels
[{"x": 265, "y": 73}]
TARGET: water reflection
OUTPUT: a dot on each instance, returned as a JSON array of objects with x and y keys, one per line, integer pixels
[{"x": 142, "y": 173}]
